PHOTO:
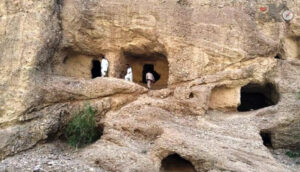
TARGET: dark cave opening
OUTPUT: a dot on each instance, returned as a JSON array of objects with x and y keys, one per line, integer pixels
[
  {"x": 191, "y": 95},
  {"x": 149, "y": 68},
  {"x": 156, "y": 63},
  {"x": 278, "y": 56},
  {"x": 96, "y": 68},
  {"x": 266, "y": 137},
  {"x": 255, "y": 96},
  {"x": 175, "y": 163}
]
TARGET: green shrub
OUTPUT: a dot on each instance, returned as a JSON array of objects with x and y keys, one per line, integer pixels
[
  {"x": 82, "y": 130},
  {"x": 299, "y": 95},
  {"x": 293, "y": 154}
]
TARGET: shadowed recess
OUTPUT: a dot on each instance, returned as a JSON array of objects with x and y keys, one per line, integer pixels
[
  {"x": 278, "y": 56},
  {"x": 266, "y": 137},
  {"x": 175, "y": 163},
  {"x": 96, "y": 68},
  {"x": 155, "y": 63},
  {"x": 255, "y": 96}
]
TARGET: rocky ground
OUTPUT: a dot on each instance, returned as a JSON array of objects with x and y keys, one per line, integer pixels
[
  {"x": 293, "y": 164},
  {"x": 58, "y": 156},
  {"x": 210, "y": 50},
  {"x": 54, "y": 156}
]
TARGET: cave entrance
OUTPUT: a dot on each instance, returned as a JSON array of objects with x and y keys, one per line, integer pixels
[
  {"x": 70, "y": 63},
  {"x": 255, "y": 96},
  {"x": 266, "y": 137},
  {"x": 155, "y": 63},
  {"x": 175, "y": 163},
  {"x": 278, "y": 56},
  {"x": 96, "y": 68}
]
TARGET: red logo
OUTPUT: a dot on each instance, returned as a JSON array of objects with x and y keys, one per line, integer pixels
[{"x": 263, "y": 9}]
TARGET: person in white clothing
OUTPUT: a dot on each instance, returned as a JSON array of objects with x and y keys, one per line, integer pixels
[
  {"x": 150, "y": 79},
  {"x": 104, "y": 66},
  {"x": 128, "y": 76}
]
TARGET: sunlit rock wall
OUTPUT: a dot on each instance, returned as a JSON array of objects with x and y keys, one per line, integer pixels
[{"x": 210, "y": 50}]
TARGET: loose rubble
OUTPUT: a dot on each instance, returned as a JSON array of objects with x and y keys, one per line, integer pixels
[{"x": 54, "y": 156}]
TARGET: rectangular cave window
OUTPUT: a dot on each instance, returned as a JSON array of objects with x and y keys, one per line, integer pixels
[
  {"x": 266, "y": 137},
  {"x": 96, "y": 68},
  {"x": 141, "y": 64}
]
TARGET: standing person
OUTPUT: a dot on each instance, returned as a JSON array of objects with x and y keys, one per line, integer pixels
[
  {"x": 104, "y": 67},
  {"x": 128, "y": 76},
  {"x": 150, "y": 79}
]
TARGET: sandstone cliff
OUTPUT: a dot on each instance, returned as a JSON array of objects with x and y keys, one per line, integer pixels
[{"x": 208, "y": 54}]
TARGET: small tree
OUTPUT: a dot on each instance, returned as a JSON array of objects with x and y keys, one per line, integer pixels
[{"x": 82, "y": 130}]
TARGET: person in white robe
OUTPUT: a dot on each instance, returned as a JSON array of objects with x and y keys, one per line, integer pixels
[
  {"x": 128, "y": 76},
  {"x": 104, "y": 67},
  {"x": 150, "y": 79}
]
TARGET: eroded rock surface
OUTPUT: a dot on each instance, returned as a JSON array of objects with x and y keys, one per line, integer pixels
[{"x": 204, "y": 51}]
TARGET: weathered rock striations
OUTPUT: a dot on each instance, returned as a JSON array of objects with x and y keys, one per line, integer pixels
[{"x": 205, "y": 53}]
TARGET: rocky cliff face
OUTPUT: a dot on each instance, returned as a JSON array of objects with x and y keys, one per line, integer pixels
[{"x": 211, "y": 57}]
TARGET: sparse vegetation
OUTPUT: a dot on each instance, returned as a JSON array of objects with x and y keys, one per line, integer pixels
[
  {"x": 82, "y": 130},
  {"x": 293, "y": 154}
]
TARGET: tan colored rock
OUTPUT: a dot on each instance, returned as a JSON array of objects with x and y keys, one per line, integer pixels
[
  {"x": 60, "y": 89},
  {"x": 291, "y": 47},
  {"x": 29, "y": 33},
  {"x": 150, "y": 133},
  {"x": 223, "y": 98},
  {"x": 204, "y": 51}
]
